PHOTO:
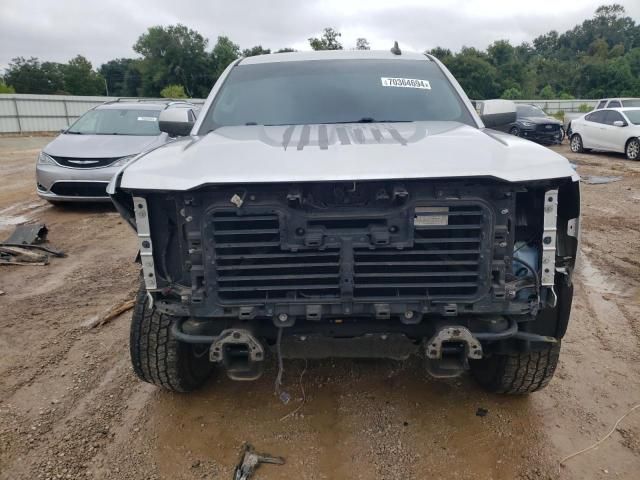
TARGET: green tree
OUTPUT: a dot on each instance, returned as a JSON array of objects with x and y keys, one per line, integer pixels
[
  {"x": 4, "y": 88},
  {"x": 547, "y": 93},
  {"x": 122, "y": 76},
  {"x": 257, "y": 50},
  {"x": 31, "y": 76},
  {"x": 80, "y": 78},
  {"x": 173, "y": 55},
  {"x": 173, "y": 91},
  {"x": 512, "y": 93},
  {"x": 362, "y": 44},
  {"x": 442, "y": 54},
  {"x": 285, "y": 50},
  {"x": 223, "y": 54},
  {"x": 475, "y": 73},
  {"x": 329, "y": 40}
]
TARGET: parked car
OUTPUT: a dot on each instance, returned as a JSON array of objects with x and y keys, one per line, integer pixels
[
  {"x": 349, "y": 203},
  {"x": 617, "y": 103},
  {"x": 78, "y": 164},
  {"x": 611, "y": 129},
  {"x": 602, "y": 103},
  {"x": 534, "y": 124}
]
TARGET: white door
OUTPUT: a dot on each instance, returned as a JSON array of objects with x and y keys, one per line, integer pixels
[
  {"x": 591, "y": 131},
  {"x": 615, "y": 137}
]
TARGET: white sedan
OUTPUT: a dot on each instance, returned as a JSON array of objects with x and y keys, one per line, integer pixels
[{"x": 611, "y": 130}]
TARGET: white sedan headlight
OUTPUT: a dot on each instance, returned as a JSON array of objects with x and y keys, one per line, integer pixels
[
  {"x": 122, "y": 161},
  {"x": 44, "y": 159}
]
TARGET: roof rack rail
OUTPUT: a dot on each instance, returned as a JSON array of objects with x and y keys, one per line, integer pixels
[{"x": 148, "y": 100}]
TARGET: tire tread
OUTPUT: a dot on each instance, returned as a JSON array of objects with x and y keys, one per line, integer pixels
[
  {"x": 518, "y": 373},
  {"x": 156, "y": 356}
]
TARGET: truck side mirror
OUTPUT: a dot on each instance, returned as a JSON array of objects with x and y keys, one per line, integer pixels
[
  {"x": 496, "y": 113},
  {"x": 176, "y": 121}
]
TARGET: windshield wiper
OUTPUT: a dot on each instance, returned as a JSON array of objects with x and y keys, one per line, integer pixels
[{"x": 74, "y": 133}]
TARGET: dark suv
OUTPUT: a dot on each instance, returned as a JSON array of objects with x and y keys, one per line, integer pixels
[{"x": 534, "y": 124}]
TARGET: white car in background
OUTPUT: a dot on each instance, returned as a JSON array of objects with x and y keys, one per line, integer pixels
[{"x": 610, "y": 130}]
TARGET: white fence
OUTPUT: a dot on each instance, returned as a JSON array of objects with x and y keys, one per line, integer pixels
[
  {"x": 49, "y": 113},
  {"x": 21, "y": 113},
  {"x": 554, "y": 106}
]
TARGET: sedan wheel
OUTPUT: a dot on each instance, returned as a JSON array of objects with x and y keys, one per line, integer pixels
[
  {"x": 633, "y": 149},
  {"x": 514, "y": 131},
  {"x": 576, "y": 144}
]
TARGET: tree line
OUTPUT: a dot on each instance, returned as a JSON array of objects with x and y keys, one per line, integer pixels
[{"x": 599, "y": 57}]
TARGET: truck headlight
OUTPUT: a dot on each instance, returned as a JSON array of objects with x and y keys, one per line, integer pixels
[
  {"x": 44, "y": 159},
  {"x": 122, "y": 161},
  {"x": 528, "y": 124}
]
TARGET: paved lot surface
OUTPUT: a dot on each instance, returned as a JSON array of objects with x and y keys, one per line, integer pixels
[{"x": 70, "y": 406}]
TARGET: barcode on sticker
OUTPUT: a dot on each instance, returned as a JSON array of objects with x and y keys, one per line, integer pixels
[
  {"x": 428, "y": 216},
  {"x": 405, "y": 83}
]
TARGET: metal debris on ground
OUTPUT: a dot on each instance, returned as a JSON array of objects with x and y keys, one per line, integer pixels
[
  {"x": 21, "y": 256},
  {"x": 598, "y": 179},
  {"x": 23, "y": 246},
  {"x": 28, "y": 234},
  {"x": 481, "y": 412},
  {"x": 250, "y": 460}
]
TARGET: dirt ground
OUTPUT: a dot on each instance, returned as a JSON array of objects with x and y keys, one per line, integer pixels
[{"x": 70, "y": 406}]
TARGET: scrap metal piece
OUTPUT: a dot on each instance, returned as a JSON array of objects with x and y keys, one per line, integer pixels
[
  {"x": 250, "y": 460},
  {"x": 144, "y": 237},
  {"x": 549, "y": 238},
  {"x": 28, "y": 234},
  {"x": 21, "y": 256}
]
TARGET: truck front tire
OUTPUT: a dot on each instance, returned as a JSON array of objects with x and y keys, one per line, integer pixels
[
  {"x": 159, "y": 358},
  {"x": 517, "y": 373}
]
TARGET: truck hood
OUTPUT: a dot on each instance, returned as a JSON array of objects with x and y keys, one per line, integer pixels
[
  {"x": 102, "y": 146},
  {"x": 307, "y": 153},
  {"x": 540, "y": 120}
]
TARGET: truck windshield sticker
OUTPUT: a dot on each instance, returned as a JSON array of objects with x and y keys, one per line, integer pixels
[
  {"x": 406, "y": 83},
  {"x": 147, "y": 119}
]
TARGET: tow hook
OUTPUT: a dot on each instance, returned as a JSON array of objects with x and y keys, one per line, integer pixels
[
  {"x": 239, "y": 352},
  {"x": 449, "y": 350}
]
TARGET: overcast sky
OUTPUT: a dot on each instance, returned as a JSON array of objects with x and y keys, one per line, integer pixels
[{"x": 105, "y": 29}]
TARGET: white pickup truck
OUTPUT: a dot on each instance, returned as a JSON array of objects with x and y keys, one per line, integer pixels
[{"x": 349, "y": 203}]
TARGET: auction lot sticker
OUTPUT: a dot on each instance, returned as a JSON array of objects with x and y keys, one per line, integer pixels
[{"x": 406, "y": 83}]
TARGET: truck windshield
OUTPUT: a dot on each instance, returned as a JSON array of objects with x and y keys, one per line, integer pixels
[
  {"x": 335, "y": 91},
  {"x": 631, "y": 102},
  {"x": 112, "y": 121}
]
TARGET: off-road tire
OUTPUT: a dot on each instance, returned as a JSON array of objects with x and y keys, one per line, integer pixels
[
  {"x": 518, "y": 373},
  {"x": 157, "y": 357},
  {"x": 632, "y": 149},
  {"x": 575, "y": 143}
]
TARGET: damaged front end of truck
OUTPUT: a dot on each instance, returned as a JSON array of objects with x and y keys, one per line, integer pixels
[{"x": 454, "y": 270}]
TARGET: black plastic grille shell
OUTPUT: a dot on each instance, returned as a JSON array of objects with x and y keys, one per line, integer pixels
[{"x": 445, "y": 262}]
